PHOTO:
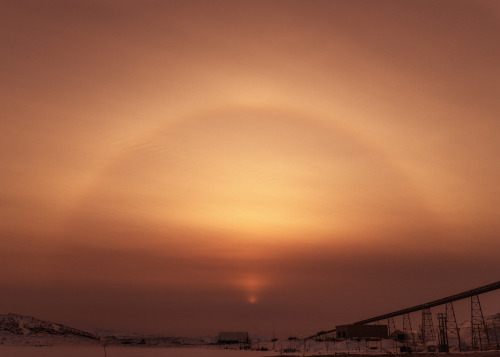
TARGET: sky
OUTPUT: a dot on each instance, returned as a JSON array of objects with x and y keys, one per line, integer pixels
[{"x": 189, "y": 167}]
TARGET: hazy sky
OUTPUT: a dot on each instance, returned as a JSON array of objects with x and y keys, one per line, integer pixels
[{"x": 188, "y": 167}]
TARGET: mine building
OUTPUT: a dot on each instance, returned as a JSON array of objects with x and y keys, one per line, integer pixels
[
  {"x": 233, "y": 337},
  {"x": 361, "y": 331}
]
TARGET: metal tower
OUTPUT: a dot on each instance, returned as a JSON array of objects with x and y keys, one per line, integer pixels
[
  {"x": 408, "y": 331},
  {"x": 480, "y": 338},
  {"x": 443, "y": 333},
  {"x": 451, "y": 322},
  {"x": 428, "y": 333},
  {"x": 391, "y": 326},
  {"x": 495, "y": 332}
]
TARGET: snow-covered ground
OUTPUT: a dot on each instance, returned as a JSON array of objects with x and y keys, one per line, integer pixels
[
  {"x": 24, "y": 336},
  {"x": 117, "y": 351}
]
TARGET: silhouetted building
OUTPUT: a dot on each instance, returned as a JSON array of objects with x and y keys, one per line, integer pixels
[
  {"x": 233, "y": 337},
  {"x": 361, "y": 331}
]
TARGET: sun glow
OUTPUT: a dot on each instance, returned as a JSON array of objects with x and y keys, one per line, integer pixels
[
  {"x": 252, "y": 299},
  {"x": 193, "y": 166},
  {"x": 242, "y": 178},
  {"x": 253, "y": 174},
  {"x": 251, "y": 285}
]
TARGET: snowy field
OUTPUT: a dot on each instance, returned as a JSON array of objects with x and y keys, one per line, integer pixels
[
  {"x": 24, "y": 336},
  {"x": 313, "y": 348},
  {"x": 48, "y": 348},
  {"x": 117, "y": 351}
]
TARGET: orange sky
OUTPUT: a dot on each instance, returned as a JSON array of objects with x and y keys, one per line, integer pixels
[{"x": 189, "y": 167}]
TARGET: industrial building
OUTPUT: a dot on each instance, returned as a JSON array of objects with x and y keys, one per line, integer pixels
[
  {"x": 233, "y": 337},
  {"x": 361, "y": 331}
]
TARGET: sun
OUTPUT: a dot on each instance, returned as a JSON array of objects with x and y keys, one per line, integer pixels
[
  {"x": 252, "y": 299},
  {"x": 251, "y": 285}
]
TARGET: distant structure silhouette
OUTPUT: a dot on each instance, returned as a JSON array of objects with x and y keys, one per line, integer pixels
[{"x": 480, "y": 340}]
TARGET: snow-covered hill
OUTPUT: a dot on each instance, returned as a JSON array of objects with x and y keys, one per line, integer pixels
[{"x": 20, "y": 329}]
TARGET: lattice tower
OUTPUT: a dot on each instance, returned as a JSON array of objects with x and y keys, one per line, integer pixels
[
  {"x": 428, "y": 333},
  {"x": 443, "y": 333},
  {"x": 391, "y": 325},
  {"x": 480, "y": 338},
  {"x": 451, "y": 322},
  {"x": 407, "y": 329},
  {"x": 495, "y": 333}
]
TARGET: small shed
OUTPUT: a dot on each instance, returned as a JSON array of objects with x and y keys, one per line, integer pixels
[{"x": 233, "y": 337}]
